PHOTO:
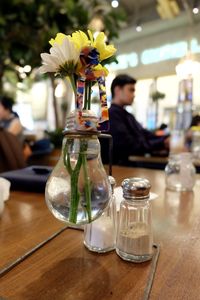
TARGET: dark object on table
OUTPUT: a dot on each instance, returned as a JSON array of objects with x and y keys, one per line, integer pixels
[
  {"x": 32, "y": 179},
  {"x": 40, "y": 170},
  {"x": 40, "y": 150},
  {"x": 56, "y": 137}
]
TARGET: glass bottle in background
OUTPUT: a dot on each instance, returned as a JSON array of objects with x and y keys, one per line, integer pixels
[
  {"x": 100, "y": 235},
  {"x": 134, "y": 234},
  {"x": 195, "y": 146},
  {"x": 177, "y": 141},
  {"x": 180, "y": 173}
]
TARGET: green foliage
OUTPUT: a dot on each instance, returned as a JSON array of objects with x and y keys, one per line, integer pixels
[
  {"x": 113, "y": 22},
  {"x": 56, "y": 137},
  {"x": 157, "y": 96},
  {"x": 26, "y": 27},
  {"x": 33, "y": 24},
  {"x": 109, "y": 60}
]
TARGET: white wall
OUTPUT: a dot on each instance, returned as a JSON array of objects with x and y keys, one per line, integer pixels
[
  {"x": 155, "y": 36},
  {"x": 142, "y": 100}
]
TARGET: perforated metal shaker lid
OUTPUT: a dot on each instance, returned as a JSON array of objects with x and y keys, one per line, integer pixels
[{"x": 136, "y": 188}]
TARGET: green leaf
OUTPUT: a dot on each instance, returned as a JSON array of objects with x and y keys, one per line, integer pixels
[{"x": 109, "y": 60}]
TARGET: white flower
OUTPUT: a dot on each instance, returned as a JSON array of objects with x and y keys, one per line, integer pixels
[{"x": 62, "y": 59}]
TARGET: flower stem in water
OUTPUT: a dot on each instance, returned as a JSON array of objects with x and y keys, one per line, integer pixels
[
  {"x": 74, "y": 173},
  {"x": 87, "y": 187}
]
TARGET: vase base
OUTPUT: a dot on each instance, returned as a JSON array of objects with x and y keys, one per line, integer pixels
[{"x": 62, "y": 213}]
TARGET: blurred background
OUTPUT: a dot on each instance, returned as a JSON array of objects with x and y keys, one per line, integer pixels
[{"x": 158, "y": 43}]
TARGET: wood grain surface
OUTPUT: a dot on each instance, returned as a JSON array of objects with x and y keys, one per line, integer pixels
[{"x": 65, "y": 269}]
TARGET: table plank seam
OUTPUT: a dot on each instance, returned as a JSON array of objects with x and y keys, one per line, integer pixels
[{"x": 30, "y": 252}]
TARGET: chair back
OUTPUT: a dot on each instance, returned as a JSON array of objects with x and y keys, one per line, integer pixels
[{"x": 11, "y": 152}]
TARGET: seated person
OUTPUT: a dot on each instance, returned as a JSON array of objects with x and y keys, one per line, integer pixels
[
  {"x": 129, "y": 137},
  {"x": 162, "y": 130},
  {"x": 195, "y": 123},
  {"x": 9, "y": 120}
]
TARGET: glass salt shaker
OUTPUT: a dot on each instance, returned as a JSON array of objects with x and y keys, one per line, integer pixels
[
  {"x": 180, "y": 172},
  {"x": 134, "y": 234},
  {"x": 100, "y": 235}
]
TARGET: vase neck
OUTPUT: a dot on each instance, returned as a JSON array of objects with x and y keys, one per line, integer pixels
[{"x": 81, "y": 122}]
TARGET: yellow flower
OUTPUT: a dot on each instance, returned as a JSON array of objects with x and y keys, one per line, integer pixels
[
  {"x": 100, "y": 71},
  {"x": 91, "y": 36},
  {"x": 80, "y": 39},
  {"x": 105, "y": 51},
  {"x": 59, "y": 39}
]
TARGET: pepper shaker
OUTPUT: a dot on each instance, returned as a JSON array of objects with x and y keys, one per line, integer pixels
[
  {"x": 134, "y": 234},
  {"x": 100, "y": 235}
]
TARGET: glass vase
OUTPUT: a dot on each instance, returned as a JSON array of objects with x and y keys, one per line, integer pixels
[{"x": 78, "y": 189}]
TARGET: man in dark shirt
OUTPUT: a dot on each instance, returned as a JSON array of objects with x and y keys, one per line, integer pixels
[{"x": 129, "y": 137}]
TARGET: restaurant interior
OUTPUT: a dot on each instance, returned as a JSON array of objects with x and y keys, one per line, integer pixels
[{"x": 75, "y": 222}]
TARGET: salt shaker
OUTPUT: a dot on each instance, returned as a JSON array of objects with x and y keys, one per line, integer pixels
[
  {"x": 134, "y": 234},
  {"x": 100, "y": 235}
]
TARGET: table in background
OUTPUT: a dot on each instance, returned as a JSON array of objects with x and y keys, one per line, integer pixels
[
  {"x": 65, "y": 269},
  {"x": 154, "y": 162}
]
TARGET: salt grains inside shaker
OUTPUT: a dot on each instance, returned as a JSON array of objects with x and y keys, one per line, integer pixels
[
  {"x": 100, "y": 235},
  {"x": 134, "y": 235}
]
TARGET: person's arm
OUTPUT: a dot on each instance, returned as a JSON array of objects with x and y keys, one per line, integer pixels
[
  {"x": 132, "y": 139},
  {"x": 15, "y": 127},
  {"x": 156, "y": 142}
]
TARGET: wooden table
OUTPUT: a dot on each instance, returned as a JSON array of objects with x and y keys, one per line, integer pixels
[{"x": 64, "y": 269}]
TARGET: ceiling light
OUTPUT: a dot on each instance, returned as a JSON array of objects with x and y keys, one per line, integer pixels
[
  {"x": 22, "y": 75},
  {"x": 114, "y": 3},
  {"x": 27, "y": 69},
  {"x": 195, "y": 7},
  {"x": 138, "y": 28},
  {"x": 167, "y": 9},
  {"x": 195, "y": 10},
  {"x": 21, "y": 69}
]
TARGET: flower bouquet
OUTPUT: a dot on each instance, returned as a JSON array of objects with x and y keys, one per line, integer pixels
[{"x": 78, "y": 189}]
